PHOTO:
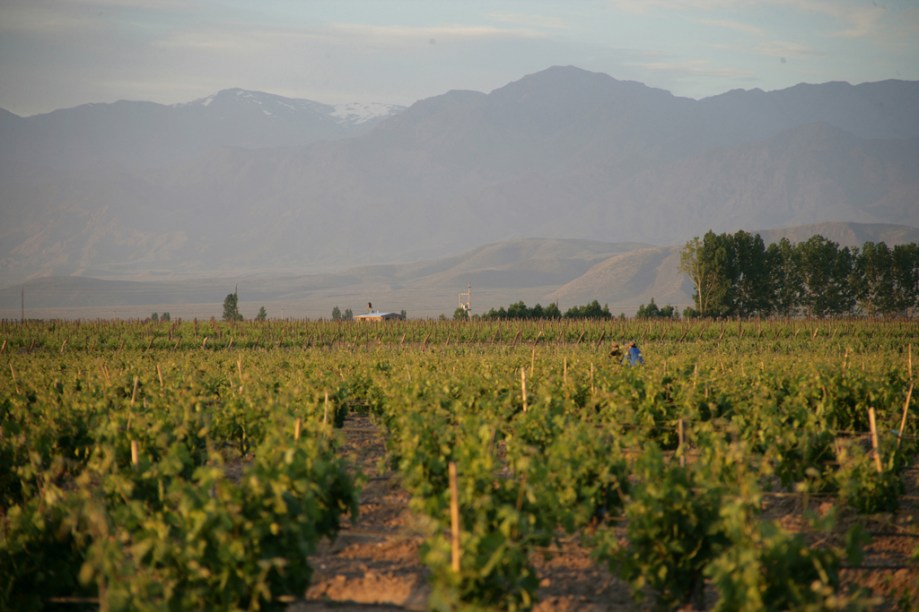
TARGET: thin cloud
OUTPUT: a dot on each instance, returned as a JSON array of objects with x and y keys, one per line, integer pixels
[
  {"x": 244, "y": 38},
  {"x": 531, "y": 21},
  {"x": 737, "y": 26},
  {"x": 694, "y": 68},
  {"x": 396, "y": 34},
  {"x": 44, "y": 20},
  {"x": 857, "y": 19},
  {"x": 643, "y": 6},
  {"x": 784, "y": 48}
]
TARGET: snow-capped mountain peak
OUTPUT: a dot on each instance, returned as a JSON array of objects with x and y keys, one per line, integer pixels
[
  {"x": 271, "y": 105},
  {"x": 267, "y": 104},
  {"x": 356, "y": 113}
]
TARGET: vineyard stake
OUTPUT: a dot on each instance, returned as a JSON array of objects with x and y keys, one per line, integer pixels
[
  {"x": 874, "y": 440},
  {"x": 134, "y": 393},
  {"x": 909, "y": 395},
  {"x": 134, "y": 453},
  {"x": 454, "y": 519},
  {"x": 3, "y": 348},
  {"x": 63, "y": 344},
  {"x": 523, "y": 387},
  {"x": 297, "y": 425},
  {"x": 681, "y": 436},
  {"x": 565, "y": 371},
  {"x": 204, "y": 344},
  {"x": 159, "y": 373},
  {"x": 15, "y": 382},
  {"x": 325, "y": 409},
  {"x": 533, "y": 358},
  {"x": 521, "y": 492}
]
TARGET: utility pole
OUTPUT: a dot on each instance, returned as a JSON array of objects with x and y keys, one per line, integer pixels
[{"x": 467, "y": 304}]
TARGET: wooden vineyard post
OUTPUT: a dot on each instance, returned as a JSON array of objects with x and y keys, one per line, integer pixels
[
  {"x": 325, "y": 409},
  {"x": 523, "y": 387},
  {"x": 909, "y": 395},
  {"x": 680, "y": 448},
  {"x": 15, "y": 380},
  {"x": 874, "y": 440},
  {"x": 454, "y": 519},
  {"x": 134, "y": 393},
  {"x": 159, "y": 373},
  {"x": 297, "y": 426},
  {"x": 134, "y": 453},
  {"x": 521, "y": 492},
  {"x": 565, "y": 371}
]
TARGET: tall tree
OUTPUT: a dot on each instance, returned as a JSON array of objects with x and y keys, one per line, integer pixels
[
  {"x": 231, "y": 307},
  {"x": 844, "y": 282},
  {"x": 750, "y": 288},
  {"x": 905, "y": 264},
  {"x": 784, "y": 278},
  {"x": 707, "y": 262},
  {"x": 874, "y": 290},
  {"x": 817, "y": 256},
  {"x": 828, "y": 275}
]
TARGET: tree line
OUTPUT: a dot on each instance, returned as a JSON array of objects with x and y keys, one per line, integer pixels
[
  {"x": 737, "y": 275},
  {"x": 519, "y": 310}
]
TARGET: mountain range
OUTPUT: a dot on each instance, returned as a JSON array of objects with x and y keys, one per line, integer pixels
[{"x": 251, "y": 185}]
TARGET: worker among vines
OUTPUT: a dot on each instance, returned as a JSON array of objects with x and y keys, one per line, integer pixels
[{"x": 634, "y": 355}]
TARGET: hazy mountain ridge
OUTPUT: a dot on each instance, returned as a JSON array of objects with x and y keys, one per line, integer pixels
[
  {"x": 145, "y": 135},
  {"x": 567, "y": 272},
  {"x": 562, "y": 153}
]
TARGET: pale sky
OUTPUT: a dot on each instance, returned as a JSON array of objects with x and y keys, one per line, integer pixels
[{"x": 61, "y": 53}]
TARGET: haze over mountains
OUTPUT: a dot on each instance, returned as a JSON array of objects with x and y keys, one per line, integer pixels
[{"x": 245, "y": 183}]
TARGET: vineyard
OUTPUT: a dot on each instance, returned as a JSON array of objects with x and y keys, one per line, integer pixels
[{"x": 504, "y": 465}]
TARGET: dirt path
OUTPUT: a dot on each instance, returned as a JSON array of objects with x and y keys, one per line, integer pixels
[{"x": 374, "y": 563}]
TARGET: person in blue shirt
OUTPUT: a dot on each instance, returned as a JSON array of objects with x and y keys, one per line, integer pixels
[{"x": 634, "y": 355}]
